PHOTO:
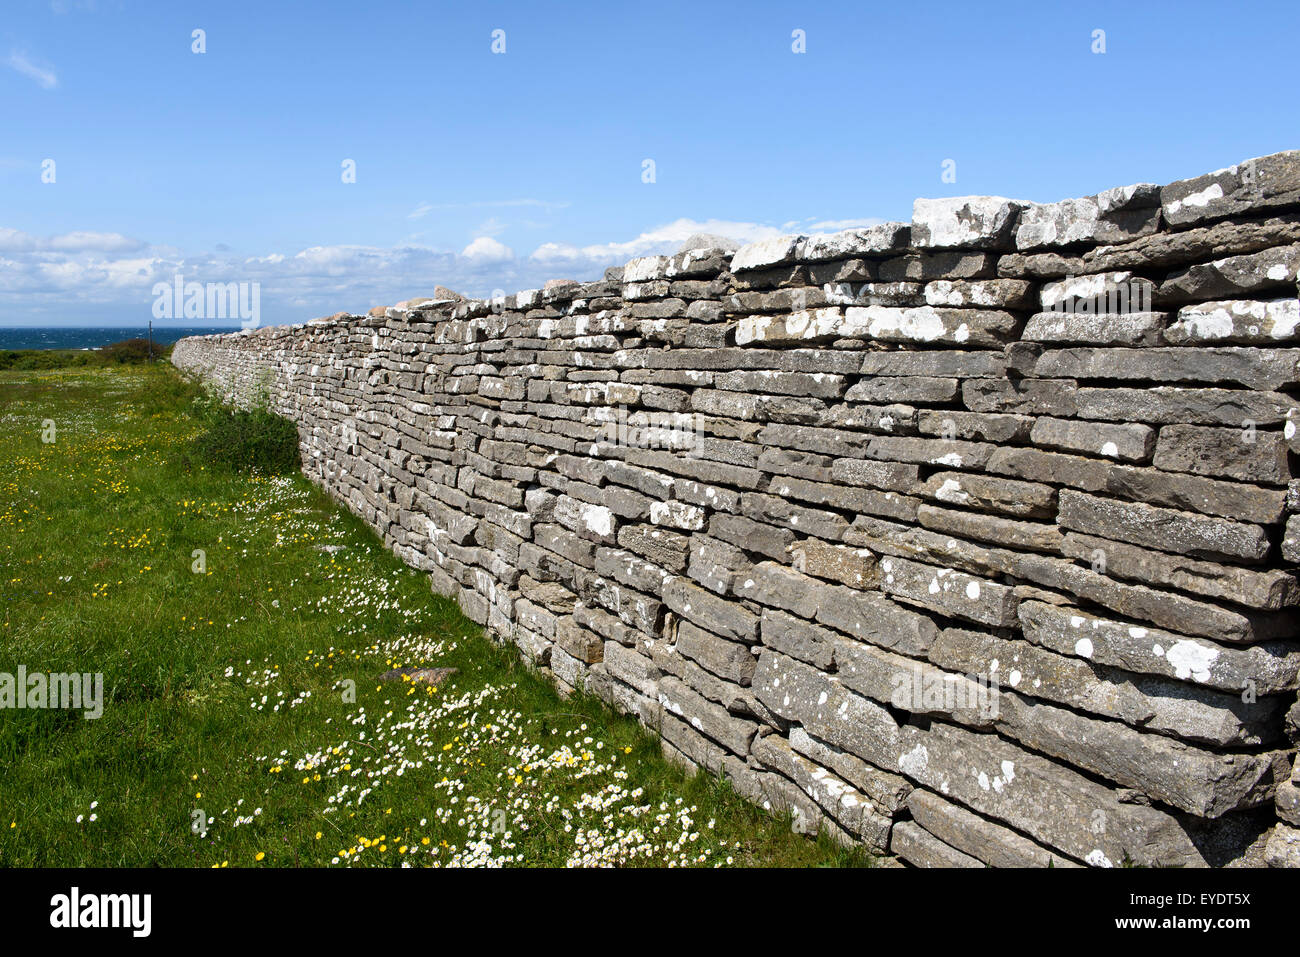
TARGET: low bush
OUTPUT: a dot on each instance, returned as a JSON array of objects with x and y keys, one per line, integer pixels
[
  {"x": 245, "y": 439},
  {"x": 131, "y": 350}
]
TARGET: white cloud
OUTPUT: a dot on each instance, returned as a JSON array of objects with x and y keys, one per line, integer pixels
[
  {"x": 46, "y": 77},
  {"x": 837, "y": 225},
  {"x": 15, "y": 241},
  {"x": 485, "y": 249},
  {"x": 53, "y": 274}
]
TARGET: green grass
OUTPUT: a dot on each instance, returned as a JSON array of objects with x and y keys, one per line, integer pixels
[{"x": 225, "y": 679}]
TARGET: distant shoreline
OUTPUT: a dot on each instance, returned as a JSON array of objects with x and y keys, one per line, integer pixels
[{"x": 94, "y": 338}]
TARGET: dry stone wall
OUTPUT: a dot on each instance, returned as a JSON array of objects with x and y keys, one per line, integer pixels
[{"x": 972, "y": 539}]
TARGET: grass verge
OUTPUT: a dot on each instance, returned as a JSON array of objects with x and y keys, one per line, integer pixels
[{"x": 242, "y": 623}]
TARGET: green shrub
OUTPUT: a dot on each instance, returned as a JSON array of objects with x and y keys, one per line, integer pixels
[
  {"x": 246, "y": 439},
  {"x": 37, "y": 359},
  {"x": 131, "y": 350}
]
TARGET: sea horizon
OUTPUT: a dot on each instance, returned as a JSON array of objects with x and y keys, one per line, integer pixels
[{"x": 23, "y": 338}]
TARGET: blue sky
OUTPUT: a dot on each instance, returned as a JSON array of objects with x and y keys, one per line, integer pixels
[{"x": 485, "y": 171}]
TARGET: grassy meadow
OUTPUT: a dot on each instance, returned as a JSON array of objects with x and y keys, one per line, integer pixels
[{"x": 241, "y": 622}]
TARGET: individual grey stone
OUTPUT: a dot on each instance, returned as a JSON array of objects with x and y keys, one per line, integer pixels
[
  {"x": 1244, "y": 321},
  {"x": 552, "y": 596},
  {"x": 971, "y": 834},
  {"x": 1032, "y": 396},
  {"x": 631, "y": 668},
  {"x": 1113, "y": 216},
  {"x": 915, "y": 686},
  {"x": 843, "y": 293},
  {"x": 715, "y": 564},
  {"x": 778, "y": 586},
  {"x": 954, "y": 454},
  {"x": 705, "y": 716},
  {"x": 818, "y": 384},
  {"x": 1291, "y": 541},
  {"x": 798, "y": 638},
  {"x": 772, "y": 510},
  {"x": 1235, "y": 277},
  {"x": 1253, "y": 368},
  {"x": 1260, "y": 183},
  {"x": 974, "y": 426},
  {"x": 1174, "y": 490},
  {"x": 803, "y": 325},
  {"x": 855, "y": 567},
  {"x": 606, "y": 625},
  {"x": 752, "y": 536},
  {"x": 761, "y": 408},
  {"x": 1040, "y": 798},
  {"x": 1147, "y": 703},
  {"x": 766, "y": 253},
  {"x": 630, "y": 569},
  {"x": 800, "y": 693},
  {"x": 1267, "y": 588},
  {"x": 1247, "y": 455},
  {"x": 585, "y": 646},
  {"x": 919, "y": 847},
  {"x": 1268, "y": 668},
  {"x": 885, "y": 790},
  {"x": 892, "y": 476},
  {"x": 979, "y": 293},
  {"x": 889, "y": 419},
  {"x": 1125, "y": 443},
  {"x": 1164, "y": 405},
  {"x": 1167, "y": 529},
  {"x": 634, "y": 608},
  {"x": 943, "y": 264},
  {"x": 903, "y": 389},
  {"x": 968, "y": 222},
  {"x": 988, "y": 328},
  {"x": 875, "y": 619},
  {"x": 1105, "y": 293},
  {"x": 1287, "y": 799},
  {"x": 876, "y": 240},
  {"x": 948, "y": 592},
  {"x": 1034, "y": 536},
  {"x": 665, "y": 548},
  {"x": 840, "y": 800},
  {"x": 725, "y": 618},
  {"x": 730, "y": 660},
  {"x": 1283, "y": 849},
  {"x": 593, "y": 522},
  {"x": 679, "y": 515},
  {"x": 1105, "y": 329},
  {"x": 1184, "y": 776},
  {"x": 989, "y": 494},
  {"x": 857, "y": 500},
  {"x": 943, "y": 363}
]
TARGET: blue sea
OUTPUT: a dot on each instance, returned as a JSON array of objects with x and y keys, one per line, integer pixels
[{"x": 70, "y": 337}]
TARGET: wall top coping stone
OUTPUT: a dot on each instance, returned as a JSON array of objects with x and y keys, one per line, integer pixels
[{"x": 975, "y": 223}]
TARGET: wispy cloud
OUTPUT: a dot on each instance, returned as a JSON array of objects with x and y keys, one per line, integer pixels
[
  {"x": 836, "y": 225},
  {"x": 45, "y": 76}
]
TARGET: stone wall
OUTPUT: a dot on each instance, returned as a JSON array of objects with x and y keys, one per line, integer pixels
[{"x": 971, "y": 540}]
